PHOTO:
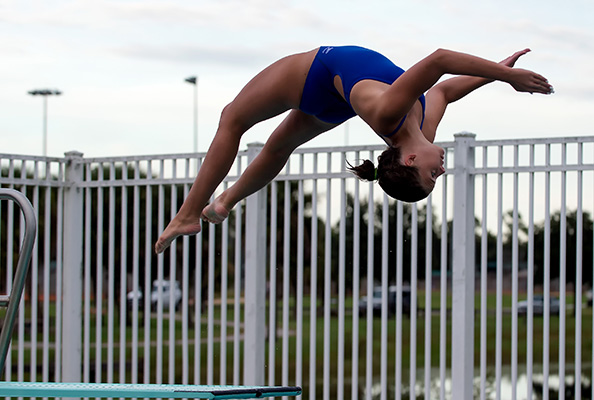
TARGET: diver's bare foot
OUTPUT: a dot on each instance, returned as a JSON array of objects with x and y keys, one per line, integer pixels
[
  {"x": 176, "y": 228},
  {"x": 216, "y": 212}
]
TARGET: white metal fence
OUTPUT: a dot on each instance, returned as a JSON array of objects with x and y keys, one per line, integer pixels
[{"x": 281, "y": 292}]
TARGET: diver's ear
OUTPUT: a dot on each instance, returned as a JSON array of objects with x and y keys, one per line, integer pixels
[{"x": 410, "y": 160}]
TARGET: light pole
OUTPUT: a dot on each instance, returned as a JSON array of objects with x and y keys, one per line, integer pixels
[
  {"x": 194, "y": 81},
  {"x": 44, "y": 93}
]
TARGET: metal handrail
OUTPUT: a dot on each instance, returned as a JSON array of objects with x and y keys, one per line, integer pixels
[{"x": 13, "y": 299}]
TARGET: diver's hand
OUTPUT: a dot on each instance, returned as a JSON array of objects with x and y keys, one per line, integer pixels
[
  {"x": 511, "y": 60},
  {"x": 527, "y": 81}
]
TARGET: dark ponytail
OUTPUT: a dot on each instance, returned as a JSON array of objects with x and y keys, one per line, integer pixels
[{"x": 365, "y": 171}]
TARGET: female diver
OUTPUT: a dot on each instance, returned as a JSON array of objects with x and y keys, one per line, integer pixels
[{"x": 324, "y": 87}]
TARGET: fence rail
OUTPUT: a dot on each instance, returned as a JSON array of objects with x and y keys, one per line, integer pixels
[{"x": 282, "y": 292}]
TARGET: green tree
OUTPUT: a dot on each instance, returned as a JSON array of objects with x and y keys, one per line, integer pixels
[{"x": 570, "y": 254}]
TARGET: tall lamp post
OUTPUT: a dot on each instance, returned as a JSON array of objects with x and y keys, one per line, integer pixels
[
  {"x": 45, "y": 93},
  {"x": 194, "y": 81}
]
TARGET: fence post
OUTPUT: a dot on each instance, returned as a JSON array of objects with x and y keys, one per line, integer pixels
[
  {"x": 255, "y": 282},
  {"x": 72, "y": 269},
  {"x": 463, "y": 267}
]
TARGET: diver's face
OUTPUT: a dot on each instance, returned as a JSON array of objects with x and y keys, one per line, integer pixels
[{"x": 430, "y": 164}]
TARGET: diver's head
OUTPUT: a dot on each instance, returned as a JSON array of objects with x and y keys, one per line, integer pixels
[{"x": 408, "y": 177}]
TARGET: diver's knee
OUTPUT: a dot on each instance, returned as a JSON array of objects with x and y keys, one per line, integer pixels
[{"x": 231, "y": 120}]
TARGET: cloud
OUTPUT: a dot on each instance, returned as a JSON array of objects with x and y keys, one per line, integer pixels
[
  {"x": 222, "y": 14},
  {"x": 234, "y": 15},
  {"x": 564, "y": 36},
  {"x": 231, "y": 56}
]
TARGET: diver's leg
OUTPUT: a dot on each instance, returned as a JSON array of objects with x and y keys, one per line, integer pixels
[
  {"x": 295, "y": 130},
  {"x": 273, "y": 91}
]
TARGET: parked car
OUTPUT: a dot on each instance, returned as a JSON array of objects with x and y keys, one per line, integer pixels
[
  {"x": 589, "y": 298},
  {"x": 166, "y": 289},
  {"x": 392, "y": 295},
  {"x": 538, "y": 303}
]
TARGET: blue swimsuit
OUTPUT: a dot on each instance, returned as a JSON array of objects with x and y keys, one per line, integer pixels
[{"x": 352, "y": 64}]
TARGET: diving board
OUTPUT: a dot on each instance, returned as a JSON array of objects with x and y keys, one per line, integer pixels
[{"x": 126, "y": 390}]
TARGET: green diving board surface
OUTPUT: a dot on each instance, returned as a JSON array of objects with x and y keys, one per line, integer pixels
[{"x": 125, "y": 390}]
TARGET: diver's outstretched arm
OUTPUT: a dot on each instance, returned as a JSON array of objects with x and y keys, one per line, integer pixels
[
  {"x": 394, "y": 103},
  {"x": 453, "y": 89}
]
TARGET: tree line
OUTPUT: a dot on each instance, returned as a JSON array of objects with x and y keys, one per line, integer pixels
[{"x": 120, "y": 241}]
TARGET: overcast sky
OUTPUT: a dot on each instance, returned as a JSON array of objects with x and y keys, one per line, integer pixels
[{"x": 121, "y": 65}]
